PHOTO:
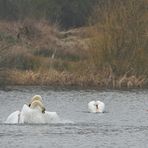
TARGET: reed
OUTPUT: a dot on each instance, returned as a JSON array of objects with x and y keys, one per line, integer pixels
[
  {"x": 111, "y": 53},
  {"x": 119, "y": 40}
]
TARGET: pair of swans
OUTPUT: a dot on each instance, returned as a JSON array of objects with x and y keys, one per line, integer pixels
[{"x": 33, "y": 113}]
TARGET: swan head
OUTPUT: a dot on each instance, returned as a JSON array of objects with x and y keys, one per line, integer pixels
[
  {"x": 34, "y": 98},
  {"x": 39, "y": 105}
]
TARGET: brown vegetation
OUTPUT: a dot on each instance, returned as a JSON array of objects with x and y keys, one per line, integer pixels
[
  {"x": 111, "y": 53},
  {"x": 119, "y": 41}
]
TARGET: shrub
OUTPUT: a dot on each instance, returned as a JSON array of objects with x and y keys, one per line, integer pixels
[{"x": 120, "y": 39}]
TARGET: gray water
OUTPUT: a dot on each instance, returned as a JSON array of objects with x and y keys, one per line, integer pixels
[{"x": 123, "y": 125}]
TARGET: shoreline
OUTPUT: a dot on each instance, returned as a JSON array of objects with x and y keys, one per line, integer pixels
[
  {"x": 56, "y": 79},
  {"x": 68, "y": 88}
]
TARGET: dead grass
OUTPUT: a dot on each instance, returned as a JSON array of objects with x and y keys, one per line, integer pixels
[
  {"x": 62, "y": 79},
  {"x": 36, "y": 53}
]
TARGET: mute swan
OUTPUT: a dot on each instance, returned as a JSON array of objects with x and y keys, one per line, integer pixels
[
  {"x": 34, "y": 113},
  {"x": 15, "y": 116},
  {"x": 96, "y": 106}
]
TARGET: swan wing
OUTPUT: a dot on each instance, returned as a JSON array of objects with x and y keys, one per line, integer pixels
[
  {"x": 13, "y": 118},
  {"x": 51, "y": 117},
  {"x": 92, "y": 107}
]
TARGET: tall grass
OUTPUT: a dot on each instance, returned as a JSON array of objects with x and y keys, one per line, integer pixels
[
  {"x": 120, "y": 38},
  {"x": 112, "y": 52}
]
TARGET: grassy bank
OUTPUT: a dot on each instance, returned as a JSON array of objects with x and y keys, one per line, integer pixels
[
  {"x": 110, "y": 53},
  {"x": 70, "y": 79}
]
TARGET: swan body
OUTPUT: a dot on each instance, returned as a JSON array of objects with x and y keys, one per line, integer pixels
[
  {"x": 13, "y": 118},
  {"x": 51, "y": 117},
  {"x": 32, "y": 115},
  {"x": 96, "y": 106},
  {"x": 29, "y": 115}
]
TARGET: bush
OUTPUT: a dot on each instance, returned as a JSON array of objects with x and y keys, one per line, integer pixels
[
  {"x": 120, "y": 39},
  {"x": 18, "y": 58}
]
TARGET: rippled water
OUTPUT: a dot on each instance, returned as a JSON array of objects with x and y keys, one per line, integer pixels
[{"x": 123, "y": 125}]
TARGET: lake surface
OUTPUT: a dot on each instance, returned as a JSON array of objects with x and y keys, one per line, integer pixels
[{"x": 123, "y": 125}]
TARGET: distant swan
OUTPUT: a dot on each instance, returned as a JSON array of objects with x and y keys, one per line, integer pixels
[{"x": 96, "y": 106}]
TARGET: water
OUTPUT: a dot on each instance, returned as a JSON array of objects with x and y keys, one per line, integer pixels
[{"x": 123, "y": 125}]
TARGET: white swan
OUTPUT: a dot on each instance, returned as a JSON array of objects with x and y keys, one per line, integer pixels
[
  {"x": 96, "y": 106},
  {"x": 15, "y": 116},
  {"x": 34, "y": 114}
]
